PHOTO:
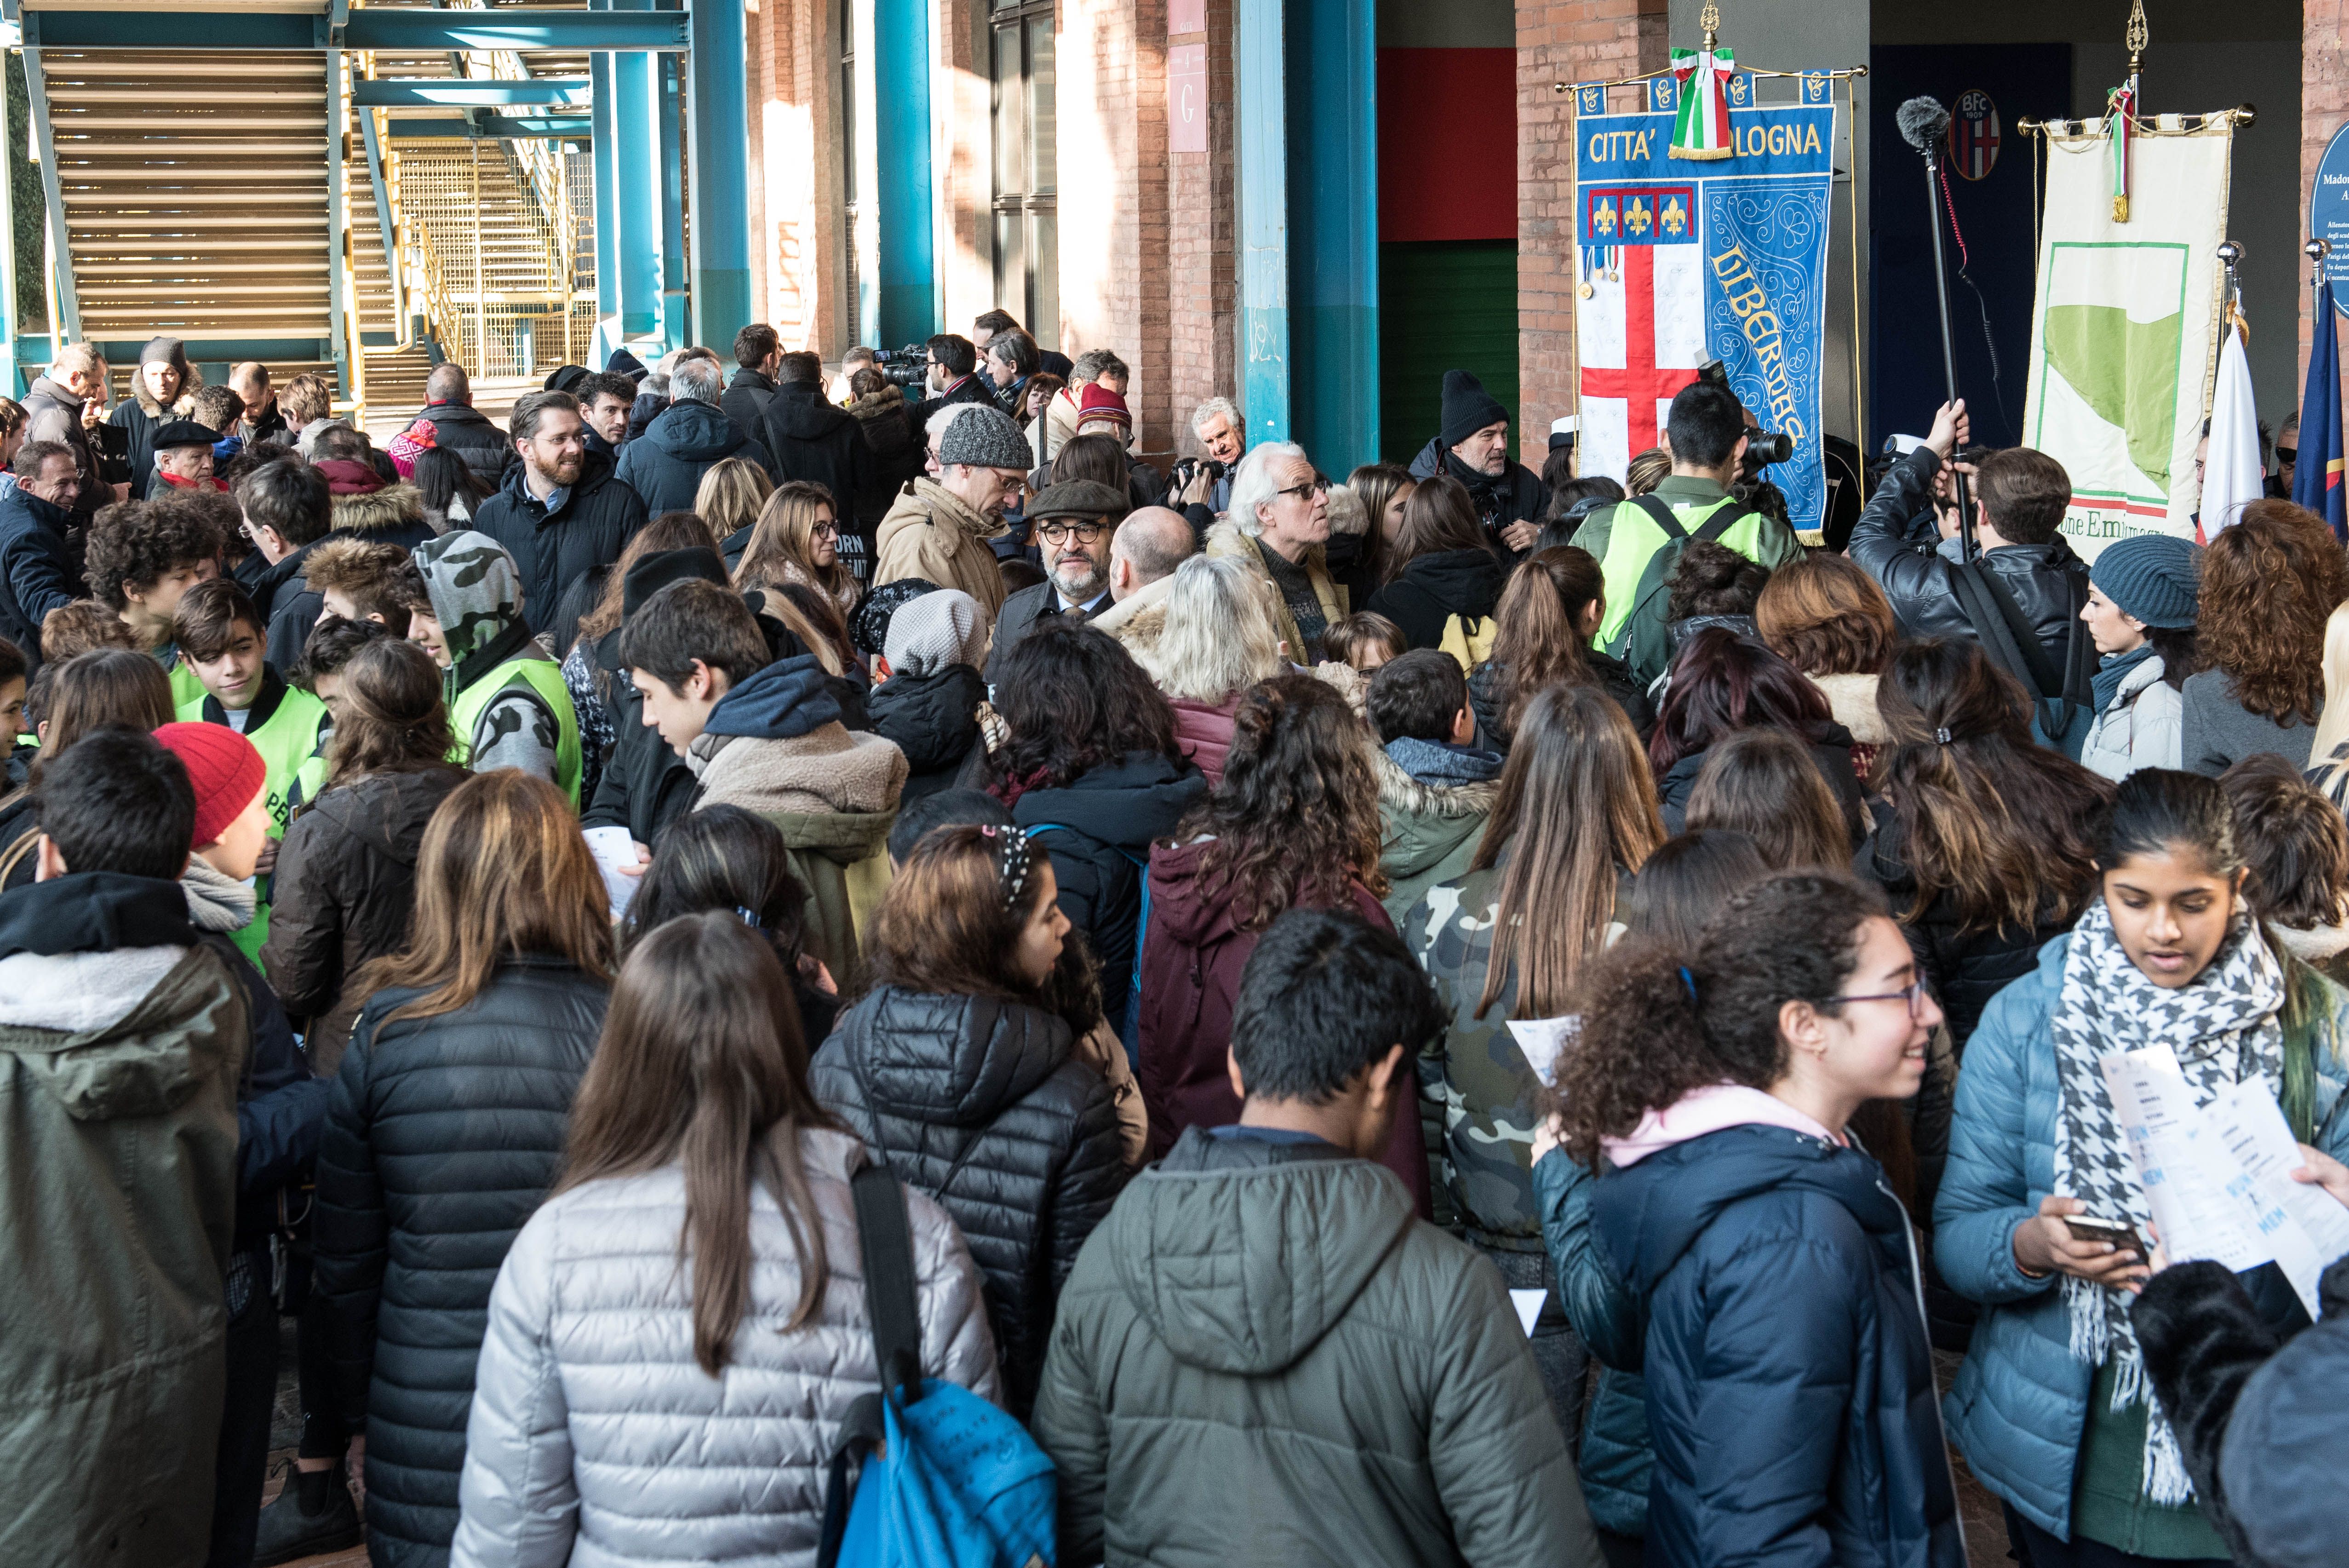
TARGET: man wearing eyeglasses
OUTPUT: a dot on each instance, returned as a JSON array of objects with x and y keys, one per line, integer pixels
[
  {"x": 1073, "y": 523},
  {"x": 950, "y": 377}
]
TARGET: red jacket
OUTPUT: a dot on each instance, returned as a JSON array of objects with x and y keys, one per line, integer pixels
[
  {"x": 1191, "y": 964},
  {"x": 1205, "y": 734}
]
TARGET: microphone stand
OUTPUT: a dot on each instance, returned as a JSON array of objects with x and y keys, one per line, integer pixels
[{"x": 1968, "y": 547}]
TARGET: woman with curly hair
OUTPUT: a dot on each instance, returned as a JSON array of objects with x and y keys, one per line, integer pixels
[
  {"x": 1542, "y": 630},
  {"x": 1984, "y": 842},
  {"x": 1295, "y": 825},
  {"x": 2268, "y": 585},
  {"x": 1092, "y": 767},
  {"x": 1768, "y": 1288},
  {"x": 1723, "y": 683}
]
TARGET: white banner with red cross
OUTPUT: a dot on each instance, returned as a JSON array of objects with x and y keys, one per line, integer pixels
[{"x": 1687, "y": 260}]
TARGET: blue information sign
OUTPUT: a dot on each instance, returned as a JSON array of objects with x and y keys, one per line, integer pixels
[{"x": 2328, "y": 213}]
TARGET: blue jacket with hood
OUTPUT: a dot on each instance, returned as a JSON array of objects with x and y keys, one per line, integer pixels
[{"x": 1790, "y": 1382}]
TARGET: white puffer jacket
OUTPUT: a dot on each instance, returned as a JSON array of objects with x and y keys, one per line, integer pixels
[
  {"x": 597, "y": 1440},
  {"x": 2143, "y": 727}
]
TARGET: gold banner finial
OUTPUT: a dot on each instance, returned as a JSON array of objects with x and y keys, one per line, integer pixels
[
  {"x": 1709, "y": 20},
  {"x": 2136, "y": 36}
]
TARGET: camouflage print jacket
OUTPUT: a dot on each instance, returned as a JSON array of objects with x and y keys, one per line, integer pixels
[{"x": 1477, "y": 1094}]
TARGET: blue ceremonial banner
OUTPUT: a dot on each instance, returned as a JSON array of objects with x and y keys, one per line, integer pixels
[
  {"x": 2316, "y": 470},
  {"x": 1590, "y": 98},
  {"x": 1718, "y": 259}
]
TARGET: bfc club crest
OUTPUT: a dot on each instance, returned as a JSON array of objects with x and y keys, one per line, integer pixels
[{"x": 1973, "y": 135}]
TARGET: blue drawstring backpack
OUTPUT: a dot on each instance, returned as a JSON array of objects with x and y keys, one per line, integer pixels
[{"x": 946, "y": 1480}]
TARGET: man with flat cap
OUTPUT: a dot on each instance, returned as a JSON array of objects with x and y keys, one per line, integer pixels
[
  {"x": 1073, "y": 523},
  {"x": 183, "y": 455}
]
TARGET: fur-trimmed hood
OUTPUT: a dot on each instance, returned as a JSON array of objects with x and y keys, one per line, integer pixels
[
  {"x": 874, "y": 404},
  {"x": 387, "y": 511},
  {"x": 172, "y": 351},
  {"x": 1399, "y": 792}
]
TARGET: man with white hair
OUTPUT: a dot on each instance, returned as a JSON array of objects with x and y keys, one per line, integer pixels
[
  {"x": 1206, "y": 481},
  {"x": 1278, "y": 523},
  {"x": 685, "y": 441}
]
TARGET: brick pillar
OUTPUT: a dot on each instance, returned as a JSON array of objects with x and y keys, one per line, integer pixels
[
  {"x": 1203, "y": 218},
  {"x": 1564, "y": 41},
  {"x": 1114, "y": 220},
  {"x": 796, "y": 192},
  {"x": 2323, "y": 105}
]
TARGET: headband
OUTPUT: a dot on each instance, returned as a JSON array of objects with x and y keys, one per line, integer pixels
[{"x": 1012, "y": 858}]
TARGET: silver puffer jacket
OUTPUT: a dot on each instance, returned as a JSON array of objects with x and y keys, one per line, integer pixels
[{"x": 597, "y": 1439}]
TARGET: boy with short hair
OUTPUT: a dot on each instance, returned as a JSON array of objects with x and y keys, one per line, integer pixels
[
  {"x": 359, "y": 580},
  {"x": 117, "y": 1202},
  {"x": 284, "y": 510},
  {"x": 222, "y": 638},
  {"x": 141, "y": 557},
  {"x": 332, "y": 646},
  {"x": 507, "y": 703},
  {"x": 1436, "y": 788},
  {"x": 1263, "y": 1321}
]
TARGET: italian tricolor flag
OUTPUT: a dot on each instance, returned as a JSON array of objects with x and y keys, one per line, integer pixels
[{"x": 1703, "y": 129}]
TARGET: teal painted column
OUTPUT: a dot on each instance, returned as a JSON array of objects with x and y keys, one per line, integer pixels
[
  {"x": 1261, "y": 118},
  {"x": 669, "y": 105},
  {"x": 638, "y": 188},
  {"x": 901, "y": 128},
  {"x": 1331, "y": 56},
  {"x": 719, "y": 133},
  {"x": 607, "y": 189}
]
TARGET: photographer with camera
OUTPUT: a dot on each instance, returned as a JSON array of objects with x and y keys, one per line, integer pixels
[
  {"x": 1472, "y": 447},
  {"x": 1205, "y": 482},
  {"x": 950, "y": 373},
  {"x": 1638, "y": 542}
]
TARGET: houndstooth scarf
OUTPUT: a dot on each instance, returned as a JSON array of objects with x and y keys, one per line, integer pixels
[{"x": 2223, "y": 1027}]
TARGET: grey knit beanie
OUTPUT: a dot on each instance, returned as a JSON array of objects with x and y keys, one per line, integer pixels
[
  {"x": 2155, "y": 578},
  {"x": 934, "y": 631},
  {"x": 985, "y": 439}
]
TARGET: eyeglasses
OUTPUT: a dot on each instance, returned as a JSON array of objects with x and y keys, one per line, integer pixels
[
  {"x": 1058, "y": 531},
  {"x": 1307, "y": 490},
  {"x": 2289, "y": 454},
  {"x": 824, "y": 530},
  {"x": 1913, "y": 993}
]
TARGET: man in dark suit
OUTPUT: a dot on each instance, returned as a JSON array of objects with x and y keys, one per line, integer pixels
[{"x": 1072, "y": 523}]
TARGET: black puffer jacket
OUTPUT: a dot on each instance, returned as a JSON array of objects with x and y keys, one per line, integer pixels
[
  {"x": 1966, "y": 967},
  {"x": 933, "y": 720},
  {"x": 553, "y": 549},
  {"x": 1485, "y": 687},
  {"x": 2039, "y": 576},
  {"x": 442, "y": 1135},
  {"x": 745, "y": 401},
  {"x": 812, "y": 440},
  {"x": 665, "y": 465},
  {"x": 1513, "y": 495},
  {"x": 978, "y": 1102},
  {"x": 1430, "y": 589},
  {"x": 459, "y": 427},
  {"x": 1112, "y": 814}
]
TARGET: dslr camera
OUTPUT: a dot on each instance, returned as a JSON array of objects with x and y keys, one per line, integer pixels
[{"x": 1763, "y": 448}]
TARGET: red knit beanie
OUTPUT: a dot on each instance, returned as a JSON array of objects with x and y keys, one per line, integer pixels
[
  {"x": 225, "y": 769},
  {"x": 1101, "y": 403}
]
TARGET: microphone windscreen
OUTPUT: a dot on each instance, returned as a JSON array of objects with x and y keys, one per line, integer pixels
[{"x": 1924, "y": 122}]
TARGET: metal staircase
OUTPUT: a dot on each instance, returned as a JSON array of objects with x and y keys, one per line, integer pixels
[{"x": 194, "y": 202}]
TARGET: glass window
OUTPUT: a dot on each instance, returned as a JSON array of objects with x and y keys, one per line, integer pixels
[{"x": 1027, "y": 167}]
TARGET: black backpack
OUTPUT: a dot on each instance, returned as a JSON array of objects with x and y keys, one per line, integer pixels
[{"x": 1643, "y": 643}]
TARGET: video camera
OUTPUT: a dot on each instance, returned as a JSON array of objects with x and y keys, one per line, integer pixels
[
  {"x": 1763, "y": 448},
  {"x": 905, "y": 366}
]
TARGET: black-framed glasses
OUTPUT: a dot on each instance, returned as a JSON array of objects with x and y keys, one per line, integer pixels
[
  {"x": 823, "y": 531},
  {"x": 1309, "y": 488},
  {"x": 1914, "y": 994},
  {"x": 1059, "y": 530},
  {"x": 2288, "y": 454}
]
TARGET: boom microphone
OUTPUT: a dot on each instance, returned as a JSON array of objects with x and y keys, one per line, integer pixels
[{"x": 1923, "y": 123}]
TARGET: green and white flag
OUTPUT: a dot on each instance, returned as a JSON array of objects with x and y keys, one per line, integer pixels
[
  {"x": 2124, "y": 329},
  {"x": 1701, "y": 129}
]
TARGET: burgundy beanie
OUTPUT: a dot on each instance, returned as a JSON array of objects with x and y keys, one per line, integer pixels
[{"x": 225, "y": 769}]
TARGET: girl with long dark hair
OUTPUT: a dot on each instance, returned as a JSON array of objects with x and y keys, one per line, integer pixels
[
  {"x": 956, "y": 1069},
  {"x": 1723, "y": 683},
  {"x": 446, "y": 1125},
  {"x": 1443, "y": 567},
  {"x": 1541, "y": 637},
  {"x": 679, "y": 1332},
  {"x": 2052, "y": 1409}
]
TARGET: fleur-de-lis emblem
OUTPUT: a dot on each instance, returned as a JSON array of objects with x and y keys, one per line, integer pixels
[
  {"x": 1635, "y": 216},
  {"x": 1675, "y": 220},
  {"x": 1602, "y": 221}
]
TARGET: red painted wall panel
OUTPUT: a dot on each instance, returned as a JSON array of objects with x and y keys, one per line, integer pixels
[{"x": 1447, "y": 144}]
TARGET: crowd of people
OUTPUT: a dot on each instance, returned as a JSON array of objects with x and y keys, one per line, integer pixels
[{"x": 1459, "y": 1015}]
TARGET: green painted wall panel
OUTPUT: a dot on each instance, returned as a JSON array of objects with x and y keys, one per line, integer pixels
[{"x": 1444, "y": 305}]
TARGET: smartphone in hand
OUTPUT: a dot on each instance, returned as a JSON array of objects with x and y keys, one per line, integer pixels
[{"x": 2121, "y": 1233}]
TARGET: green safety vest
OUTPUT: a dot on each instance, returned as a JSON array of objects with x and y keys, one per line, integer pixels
[
  {"x": 544, "y": 677},
  {"x": 1633, "y": 539},
  {"x": 185, "y": 688},
  {"x": 288, "y": 743}
]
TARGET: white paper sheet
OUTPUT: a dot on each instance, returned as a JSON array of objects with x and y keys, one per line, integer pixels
[
  {"x": 1528, "y": 1304},
  {"x": 613, "y": 850},
  {"x": 1541, "y": 1039},
  {"x": 2200, "y": 1197},
  {"x": 2308, "y": 1227}
]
